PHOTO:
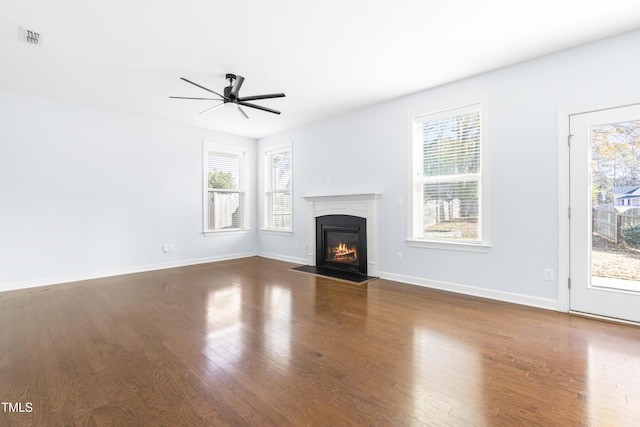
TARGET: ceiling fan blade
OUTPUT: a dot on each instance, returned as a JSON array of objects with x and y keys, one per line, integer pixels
[
  {"x": 212, "y": 108},
  {"x": 255, "y": 97},
  {"x": 202, "y": 99},
  {"x": 259, "y": 107},
  {"x": 202, "y": 87},
  {"x": 241, "y": 111},
  {"x": 237, "y": 84}
]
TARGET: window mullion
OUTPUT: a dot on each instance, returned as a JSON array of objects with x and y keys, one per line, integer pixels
[{"x": 448, "y": 178}]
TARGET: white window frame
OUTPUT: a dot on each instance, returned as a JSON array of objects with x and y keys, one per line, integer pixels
[
  {"x": 416, "y": 180},
  {"x": 242, "y": 190},
  {"x": 267, "y": 222}
]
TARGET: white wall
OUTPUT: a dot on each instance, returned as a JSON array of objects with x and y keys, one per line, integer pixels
[
  {"x": 89, "y": 193},
  {"x": 366, "y": 151}
]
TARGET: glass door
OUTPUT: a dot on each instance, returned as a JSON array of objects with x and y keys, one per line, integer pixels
[{"x": 605, "y": 213}]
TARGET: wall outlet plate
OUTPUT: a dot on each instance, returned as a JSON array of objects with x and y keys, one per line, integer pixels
[{"x": 548, "y": 274}]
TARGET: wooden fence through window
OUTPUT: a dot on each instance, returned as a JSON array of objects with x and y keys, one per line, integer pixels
[{"x": 608, "y": 221}]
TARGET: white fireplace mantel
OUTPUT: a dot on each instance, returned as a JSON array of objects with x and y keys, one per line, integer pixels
[{"x": 362, "y": 205}]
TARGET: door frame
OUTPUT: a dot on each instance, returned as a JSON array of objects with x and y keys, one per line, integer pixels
[{"x": 564, "y": 173}]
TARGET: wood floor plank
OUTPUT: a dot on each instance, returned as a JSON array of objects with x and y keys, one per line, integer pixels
[{"x": 249, "y": 342}]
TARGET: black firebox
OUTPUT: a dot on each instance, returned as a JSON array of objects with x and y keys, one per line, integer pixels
[{"x": 341, "y": 243}]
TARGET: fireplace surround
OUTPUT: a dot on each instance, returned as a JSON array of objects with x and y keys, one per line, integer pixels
[
  {"x": 363, "y": 206},
  {"x": 341, "y": 243}
]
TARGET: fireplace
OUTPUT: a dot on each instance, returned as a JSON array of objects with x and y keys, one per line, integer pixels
[
  {"x": 341, "y": 243},
  {"x": 363, "y": 206}
]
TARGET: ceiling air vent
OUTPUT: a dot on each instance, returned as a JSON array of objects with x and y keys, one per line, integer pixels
[{"x": 30, "y": 36}]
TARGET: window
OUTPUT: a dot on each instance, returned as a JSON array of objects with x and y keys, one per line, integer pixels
[
  {"x": 447, "y": 181},
  {"x": 277, "y": 188},
  {"x": 224, "y": 193}
]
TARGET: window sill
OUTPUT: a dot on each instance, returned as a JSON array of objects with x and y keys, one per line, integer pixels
[
  {"x": 277, "y": 231},
  {"x": 226, "y": 231},
  {"x": 483, "y": 248}
]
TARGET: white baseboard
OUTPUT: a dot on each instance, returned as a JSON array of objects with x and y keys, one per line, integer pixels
[
  {"x": 279, "y": 257},
  {"x": 545, "y": 303},
  {"x": 12, "y": 286},
  {"x": 549, "y": 304}
]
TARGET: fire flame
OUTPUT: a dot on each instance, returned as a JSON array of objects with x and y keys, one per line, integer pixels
[{"x": 344, "y": 253}]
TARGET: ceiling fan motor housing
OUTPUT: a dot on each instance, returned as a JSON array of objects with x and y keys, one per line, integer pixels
[{"x": 228, "y": 94}]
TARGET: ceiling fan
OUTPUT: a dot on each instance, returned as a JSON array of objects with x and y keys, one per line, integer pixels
[{"x": 231, "y": 96}]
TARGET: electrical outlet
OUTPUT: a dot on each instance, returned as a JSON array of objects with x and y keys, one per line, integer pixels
[
  {"x": 172, "y": 247},
  {"x": 399, "y": 256},
  {"x": 548, "y": 274},
  {"x": 165, "y": 248}
]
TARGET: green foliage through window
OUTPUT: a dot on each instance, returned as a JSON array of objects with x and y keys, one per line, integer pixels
[
  {"x": 615, "y": 153},
  {"x": 221, "y": 180},
  {"x": 630, "y": 235}
]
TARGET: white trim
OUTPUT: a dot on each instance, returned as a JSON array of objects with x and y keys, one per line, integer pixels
[
  {"x": 480, "y": 103},
  {"x": 266, "y": 175},
  {"x": 280, "y": 257},
  {"x": 450, "y": 246},
  {"x": 521, "y": 299},
  {"x": 50, "y": 281},
  {"x": 564, "y": 267},
  {"x": 226, "y": 231},
  {"x": 563, "y": 212},
  {"x": 243, "y": 184},
  {"x": 342, "y": 197}
]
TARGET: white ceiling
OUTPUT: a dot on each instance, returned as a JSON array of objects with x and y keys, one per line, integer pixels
[{"x": 328, "y": 56}]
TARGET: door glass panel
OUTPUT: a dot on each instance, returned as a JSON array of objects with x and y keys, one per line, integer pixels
[{"x": 615, "y": 197}]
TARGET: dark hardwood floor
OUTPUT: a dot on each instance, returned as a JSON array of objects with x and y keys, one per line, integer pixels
[{"x": 249, "y": 342}]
